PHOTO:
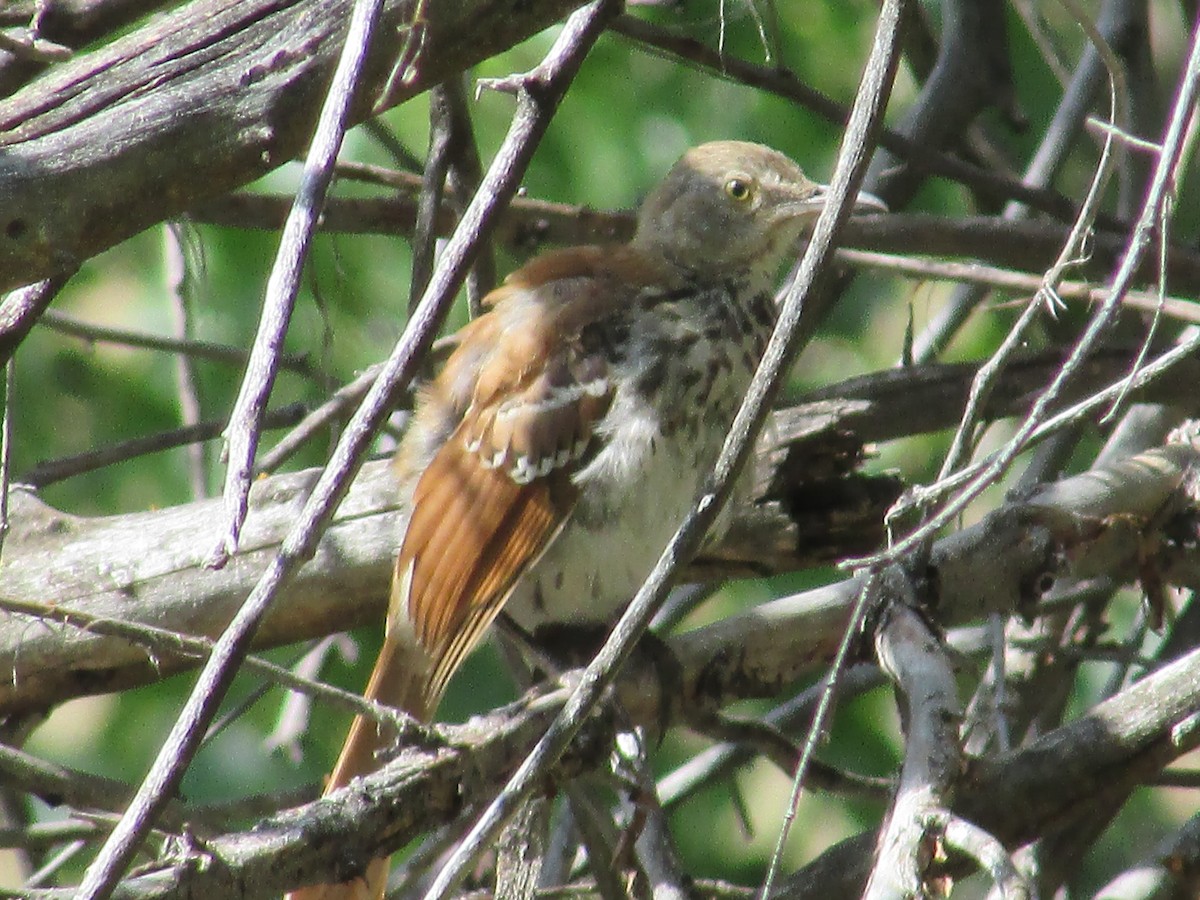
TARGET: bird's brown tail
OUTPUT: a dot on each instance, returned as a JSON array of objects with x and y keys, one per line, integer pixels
[{"x": 398, "y": 681}]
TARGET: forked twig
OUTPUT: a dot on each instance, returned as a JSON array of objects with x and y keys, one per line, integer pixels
[
  {"x": 864, "y": 122},
  {"x": 529, "y": 124},
  {"x": 283, "y": 284},
  {"x": 984, "y": 475}
]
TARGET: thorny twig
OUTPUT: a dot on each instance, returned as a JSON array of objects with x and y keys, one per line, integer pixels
[
  {"x": 105, "y": 871},
  {"x": 863, "y": 126},
  {"x": 1032, "y": 425},
  {"x": 283, "y": 284}
]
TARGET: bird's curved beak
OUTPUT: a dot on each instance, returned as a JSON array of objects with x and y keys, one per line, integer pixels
[
  {"x": 867, "y": 203},
  {"x": 814, "y": 201},
  {"x": 864, "y": 202}
]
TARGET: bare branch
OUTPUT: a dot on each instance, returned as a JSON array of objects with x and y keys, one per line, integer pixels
[
  {"x": 283, "y": 284},
  {"x": 865, "y": 120},
  {"x": 221, "y": 70},
  {"x": 913, "y": 657}
]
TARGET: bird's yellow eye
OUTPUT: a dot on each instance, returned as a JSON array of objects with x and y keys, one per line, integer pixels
[{"x": 739, "y": 189}]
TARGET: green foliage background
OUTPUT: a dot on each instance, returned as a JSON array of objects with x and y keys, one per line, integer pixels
[{"x": 627, "y": 117}]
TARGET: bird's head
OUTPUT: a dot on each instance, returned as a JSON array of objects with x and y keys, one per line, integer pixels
[{"x": 731, "y": 206}]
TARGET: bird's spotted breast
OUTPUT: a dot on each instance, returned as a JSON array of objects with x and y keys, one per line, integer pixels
[{"x": 677, "y": 392}]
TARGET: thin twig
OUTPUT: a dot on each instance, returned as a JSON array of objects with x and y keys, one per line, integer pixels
[
  {"x": 164, "y": 776},
  {"x": 54, "y": 863},
  {"x": 864, "y": 121},
  {"x": 342, "y": 400},
  {"x": 503, "y": 177},
  {"x": 1047, "y": 299},
  {"x": 400, "y": 154},
  {"x": 1035, "y": 421},
  {"x": 45, "y": 834},
  {"x": 179, "y": 293},
  {"x": 433, "y": 187},
  {"x": 830, "y": 687},
  {"x": 1184, "y": 350},
  {"x": 53, "y": 470},
  {"x": 1164, "y": 230},
  {"x": 205, "y": 350},
  {"x": 718, "y": 761},
  {"x": 292, "y": 720},
  {"x": 6, "y": 433},
  {"x": 81, "y": 790},
  {"x": 1031, "y": 15},
  {"x": 1016, "y": 282},
  {"x": 283, "y": 284},
  {"x": 463, "y": 179}
]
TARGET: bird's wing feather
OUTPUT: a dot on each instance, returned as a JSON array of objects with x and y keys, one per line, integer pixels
[{"x": 496, "y": 493}]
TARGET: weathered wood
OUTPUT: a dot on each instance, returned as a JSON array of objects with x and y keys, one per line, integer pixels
[
  {"x": 813, "y": 507},
  {"x": 989, "y": 567},
  {"x": 199, "y": 101}
]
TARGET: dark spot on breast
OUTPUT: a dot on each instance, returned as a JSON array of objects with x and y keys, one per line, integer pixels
[
  {"x": 591, "y": 338},
  {"x": 608, "y": 338},
  {"x": 651, "y": 380},
  {"x": 16, "y": 229},
  {"x": 649, "y": 299},
  {"x": 762, "y": 307}
]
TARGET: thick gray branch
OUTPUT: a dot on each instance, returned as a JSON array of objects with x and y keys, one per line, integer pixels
[
  {"x": 920, "y": 666},
  {"x": 148, "y": 566},
  {"x": 1125, "y": 739},
  {"x": 1114, "y": 748},
  {"x": 197, "y": 102}
]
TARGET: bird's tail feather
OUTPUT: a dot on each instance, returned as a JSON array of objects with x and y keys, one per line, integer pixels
[{"x": 400, "y": 681}]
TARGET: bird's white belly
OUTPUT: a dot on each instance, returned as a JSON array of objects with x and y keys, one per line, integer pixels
[
  {"x": 589, "y": 573},
  {"x": 607, "y": 548}
]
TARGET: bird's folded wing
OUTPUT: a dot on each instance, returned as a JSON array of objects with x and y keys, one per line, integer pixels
[{"x": 497, "y": 492}]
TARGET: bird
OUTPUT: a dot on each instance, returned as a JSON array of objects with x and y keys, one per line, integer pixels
[{"x": 571, "y": 430}]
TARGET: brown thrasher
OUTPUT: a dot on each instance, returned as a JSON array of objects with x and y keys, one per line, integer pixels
[{"x": 571, "y": 430}]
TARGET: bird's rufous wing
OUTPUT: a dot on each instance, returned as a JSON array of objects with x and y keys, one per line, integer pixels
[{"x": 498, "y": 490}]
